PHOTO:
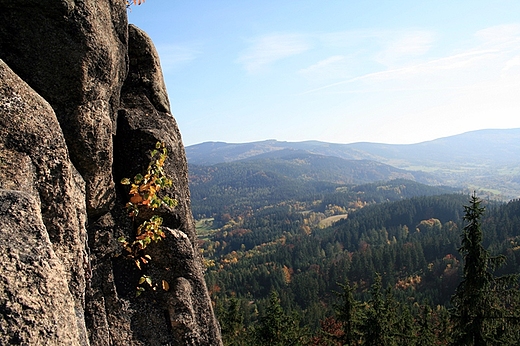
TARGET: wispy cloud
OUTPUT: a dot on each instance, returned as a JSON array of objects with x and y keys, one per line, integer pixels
[
  {"x": 512, "y": 63},
  {"x": 353, "y": 38},
  {"x": 417, "y": 71},
  {"x": 506, "y": 33},
  {"x": 405, "y": 45},
  {"x": 365, "y": 50},
  {"x": 173, "y": 56},
  {"x": 458, "y": 62},
  {"x": 389, "y": 44},
  {"x": 336, "y": 66},
  {"x": 387, "y": 47},
  {"x": 267, "y": 49},
  {"x": 494, "y": 51}
]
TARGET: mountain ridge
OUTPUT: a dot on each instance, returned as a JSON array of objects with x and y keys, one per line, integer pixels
[
  {"x": 487, "y": 139},
  {"x": 484, "y": 159}
]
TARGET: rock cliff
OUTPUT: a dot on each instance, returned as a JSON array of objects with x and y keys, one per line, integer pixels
[{"x": 82, "y": 102}]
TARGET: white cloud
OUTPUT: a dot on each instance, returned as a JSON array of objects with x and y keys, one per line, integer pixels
[
  {"x": 336, "y": 66},
  {"x": 352, "y": 38},
  {"x": 173, "y": 56},
  {"x": 437, "y": 68},
  {"x": 496, "y": 51},
  {"x": 267, "y": 49},
  {"x": 513, "y": 63},
  {"x": 360, "y": 51},
  {"x": 385, "y": 46},
  {"x": 500, "y": 33},
  {"x": 402, "y": 46}
]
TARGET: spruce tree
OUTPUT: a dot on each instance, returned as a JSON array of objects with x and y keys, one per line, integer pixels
[
  {"x": 232, "y": 324},
  {"x": 381, "y": 317},
  {"x": 349, "y": 313},
  {"x": 406, "y": 328},
  {"x": 479, "y": 313},
  {"x": 425, "y": 336},
  {"x": 276, "y": 328}
]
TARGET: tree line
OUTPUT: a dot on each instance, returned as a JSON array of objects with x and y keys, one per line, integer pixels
[{"x": 483, "y": 308}]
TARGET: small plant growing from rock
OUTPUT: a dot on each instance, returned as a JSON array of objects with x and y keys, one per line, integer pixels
[
  {"x": 144, "y": 195},
  {"x": 134, "y": 2}
]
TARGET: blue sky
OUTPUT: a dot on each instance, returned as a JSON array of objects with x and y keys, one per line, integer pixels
[{"x": 336, "y": 71}]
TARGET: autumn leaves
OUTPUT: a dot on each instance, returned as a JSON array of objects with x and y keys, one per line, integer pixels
[{"x": 145, "y": 196}]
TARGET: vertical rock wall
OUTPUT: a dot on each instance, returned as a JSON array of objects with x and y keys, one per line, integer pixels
[
  {"x": 42, "y": 223},
  {"x": 107, "y": 106}
]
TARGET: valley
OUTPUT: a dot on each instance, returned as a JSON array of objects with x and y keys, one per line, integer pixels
[
  {"x": 485, "y": 159},
  {"x": 301, "y": 225}
]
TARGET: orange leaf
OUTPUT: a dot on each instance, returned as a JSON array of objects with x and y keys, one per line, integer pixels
[
  {"x": 136, "y": 199},
  {"x": 145, "y": 187},
  {"x": 165, "y": 285}
]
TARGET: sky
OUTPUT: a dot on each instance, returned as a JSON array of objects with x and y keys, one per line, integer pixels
[{"x": 345, "y": 71}]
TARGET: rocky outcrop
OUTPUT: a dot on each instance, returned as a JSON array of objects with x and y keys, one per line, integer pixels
[
  {"x": 87, "y": 92},
  {"x": 73, "y": 53},
  {"x": 35, "y": 303},
  {"x": 42, "y": 246},
  {"x": 35, "y": 161}
]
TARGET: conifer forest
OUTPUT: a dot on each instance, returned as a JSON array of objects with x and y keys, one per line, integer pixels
[{"x": 384, "y": 263}]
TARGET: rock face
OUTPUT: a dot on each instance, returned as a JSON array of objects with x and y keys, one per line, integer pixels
[
  {"x": 37, "y": 308},
  {"x": 73, "y": 53},
  {"x": 85, "y": 104},
  {"x": 42, "y": 248}
]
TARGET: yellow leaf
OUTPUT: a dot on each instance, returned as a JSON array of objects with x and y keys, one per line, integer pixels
[{"x": 134, "y": 190}]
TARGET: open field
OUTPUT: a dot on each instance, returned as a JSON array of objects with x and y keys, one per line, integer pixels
[
  {"x": 204, "y": 227},
  {"x": 331, "y": 219}
]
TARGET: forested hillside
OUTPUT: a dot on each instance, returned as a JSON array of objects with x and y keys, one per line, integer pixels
[
  {"x": 484, "y": 160},
  {"x": 278, "y": 250},
  {"x": 308, "y": 249},
  {"x": 233, "y": 187},
  {"x": 405, "y": 251}
]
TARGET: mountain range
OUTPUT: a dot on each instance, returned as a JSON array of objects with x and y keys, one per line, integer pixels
[{"x": 487, "y": 160}]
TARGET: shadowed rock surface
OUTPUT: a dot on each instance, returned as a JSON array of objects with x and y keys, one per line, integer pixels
[
  {"x": 95, "y": 100},
  {"x": 43, "y": 242},
  {"x": 37, "y": 307}
]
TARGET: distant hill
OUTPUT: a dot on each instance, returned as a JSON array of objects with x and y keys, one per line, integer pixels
[
  {"x": 484, "y": 159},
  {"x": 254, "y": 184},
  {"x": 293, "y": 175},
  {"x": 302, "y": 166},
  {"x": 488, "y": 146}
]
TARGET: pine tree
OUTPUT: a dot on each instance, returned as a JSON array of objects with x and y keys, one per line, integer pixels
[
  {"x": 350, "y": 315},
  {"x": 232, "y": 323},
  {"x": 426, "y": 336},
  {"x": 479, "y": 312},
  {"x": 276, "y": 328},
  {"x": 381, "y": 317}
]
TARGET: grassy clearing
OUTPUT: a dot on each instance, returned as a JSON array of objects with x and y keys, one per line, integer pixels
[
  {"x": 330, "y": 220},
  {"x": 204, "y": 227}
]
